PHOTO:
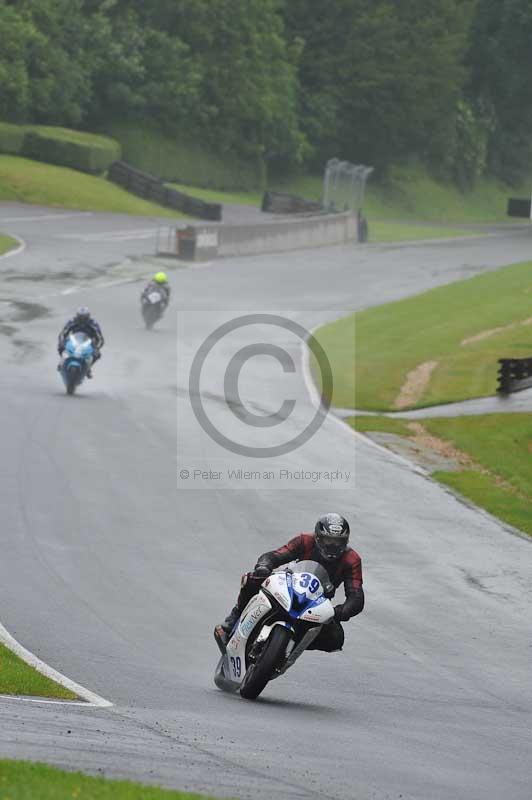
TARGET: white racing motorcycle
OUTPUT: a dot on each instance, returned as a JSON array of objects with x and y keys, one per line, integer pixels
[{"x": 276, "y": 627}]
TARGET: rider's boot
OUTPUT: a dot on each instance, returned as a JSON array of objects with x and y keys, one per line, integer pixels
[
  {"x": 89, "y": 373},
  {"x": 223, "y": 632}
]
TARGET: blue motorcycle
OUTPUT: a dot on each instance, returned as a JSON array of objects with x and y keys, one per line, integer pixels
[{"x": 77, "y": 358}]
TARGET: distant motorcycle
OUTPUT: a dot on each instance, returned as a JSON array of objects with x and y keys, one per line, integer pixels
[
  {"x": 77, "y": 358},
  {"x": 275, "y": 628},
  {"x": 153, "y": 305}
]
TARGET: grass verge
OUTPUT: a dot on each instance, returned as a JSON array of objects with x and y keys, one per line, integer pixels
[
  {"x": 466, "y": 327},
  {"x": 381, "y": 232},
  {"x": 498, "y": 472},
  {"x": 18, "y": 678},
  {"x": 26, "y": 181},
  {"x": 7, "y": 243},
  {"x": 22, "y": 780},
  {"x": 217, "y": 196},
  {"x": 410, "y": 194},
  {"x": 378, "y": 424}
]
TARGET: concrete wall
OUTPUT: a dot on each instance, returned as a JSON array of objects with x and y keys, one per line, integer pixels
[
  {"x": 240, "y": 240},
  {"x": 205, "y": 242}
]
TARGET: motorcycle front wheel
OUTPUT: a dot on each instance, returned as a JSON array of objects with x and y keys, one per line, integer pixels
[
  {"x": 72, "y": 380},
  {"x": 271, "y": 657}
]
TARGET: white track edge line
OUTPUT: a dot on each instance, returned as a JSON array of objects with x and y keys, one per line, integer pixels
[
  {"x": 316, "y": 401},
  {"x": 16, "y": 250},
  {"x": 91, "y": 698}
]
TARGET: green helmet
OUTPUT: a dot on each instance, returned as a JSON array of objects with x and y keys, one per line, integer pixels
[{"x": 160, "y": 277}]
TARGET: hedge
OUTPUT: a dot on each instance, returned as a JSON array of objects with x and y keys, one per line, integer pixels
[
  {"x": 11, "y": 138},
  {"x": 82, "y": 151}
]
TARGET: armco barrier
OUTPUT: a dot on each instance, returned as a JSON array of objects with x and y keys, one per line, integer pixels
[
  {"x": 514, "y": 375},
  {"x": 152, "y": 188},
  {"x": 197, "y": 243}
]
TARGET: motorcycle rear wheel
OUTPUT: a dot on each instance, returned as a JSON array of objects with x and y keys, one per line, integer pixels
[
  {"x": 151, "y": 316},
  {"x": 271, "y": 657}
]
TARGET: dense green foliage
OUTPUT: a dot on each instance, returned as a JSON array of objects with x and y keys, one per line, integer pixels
[{"x": 281, "y": 83}]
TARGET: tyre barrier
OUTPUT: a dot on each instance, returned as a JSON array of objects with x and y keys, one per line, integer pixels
[
  {"x": 282, "y": 203},
  {"x": 519, "y": 207},
  {"x": 152, "y": 188},
  {"x": 515, "y": 374}
]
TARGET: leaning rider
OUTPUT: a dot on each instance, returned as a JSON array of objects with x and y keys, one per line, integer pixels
[
  {"x": 159, "y": 283},
  {"x": 82, "y": 322},
  {"x": 328, "y": 546}
]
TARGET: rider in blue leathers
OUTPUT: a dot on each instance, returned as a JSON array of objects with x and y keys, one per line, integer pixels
[{"x": 82, "y": 322}]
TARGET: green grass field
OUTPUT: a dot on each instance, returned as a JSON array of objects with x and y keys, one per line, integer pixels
[
  {"x": 22, "y": 780},
  {"x": 26, "y": 181},
  {"x": 17, "y": 677},
  {"x": 7, "y": 243},
  {"x": 217, "y": 196},
  {"x": 373, "y": 351},
  {"x": 379, "y": 423},
  {"x": 410, "y": 194},
  {"x": 501, "y": 446}
]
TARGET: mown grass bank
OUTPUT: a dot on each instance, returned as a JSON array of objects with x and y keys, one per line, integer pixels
[
  {"x": 26, "y": 181},
  {"x": 22, "y": 780},
  {"x": 7, "y": 243},
  {"x": 411, "y": 194},
  {"x": 408, "y": 194},
  {"x": 464, "y": 328},
  {"x": 18, "y": 678},
  {"x": 381, "y": 232},
  {"x": 497, "y": 471}
]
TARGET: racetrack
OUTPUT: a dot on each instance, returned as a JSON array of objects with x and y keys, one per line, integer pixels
[{"x": 114, "y": 570}]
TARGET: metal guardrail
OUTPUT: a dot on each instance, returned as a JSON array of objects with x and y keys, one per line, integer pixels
[
  {"x": 152, "y": 188},
  {"x": 514, "y": 375}
]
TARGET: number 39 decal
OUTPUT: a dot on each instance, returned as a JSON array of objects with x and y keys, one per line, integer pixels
[
  {"x": 307, "y": 580},
  {"x": 236, "y": 665}
]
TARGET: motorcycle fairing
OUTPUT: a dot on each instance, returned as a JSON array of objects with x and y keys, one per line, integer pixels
[
  {"x": 78, "y": 353},
  {"x": 234, "y": 665}
]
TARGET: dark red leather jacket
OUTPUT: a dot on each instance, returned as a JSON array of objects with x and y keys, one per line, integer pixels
[{"x": 347, "y": 570}]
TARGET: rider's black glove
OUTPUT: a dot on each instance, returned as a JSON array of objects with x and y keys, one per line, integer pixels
[
  {"x": 339, "y": 613},
  {"x": 261, "y": 571}
]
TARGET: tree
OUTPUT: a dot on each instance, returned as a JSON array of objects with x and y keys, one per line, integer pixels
[
  {"x": 380, "y": 80},
  {"x": 17, "y": 36},
  {"x": 241, "y": 68},
  {"x": 500, "y": 58}
]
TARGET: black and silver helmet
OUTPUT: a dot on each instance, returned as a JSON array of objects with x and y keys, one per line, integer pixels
[
  {"x": 332, "y": 536},
  {"x": 83, "y": 313}
]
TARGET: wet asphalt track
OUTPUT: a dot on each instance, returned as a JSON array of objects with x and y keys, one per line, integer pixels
[{"x": 114, "y": 576}]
